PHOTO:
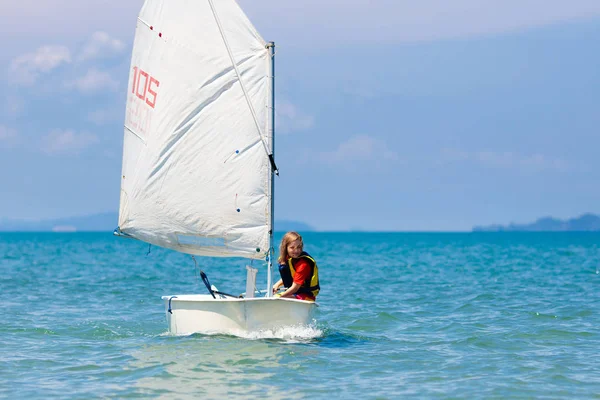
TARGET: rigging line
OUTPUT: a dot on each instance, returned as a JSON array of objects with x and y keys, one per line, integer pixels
[
  {"x": 135, "y": 134},
  {"x": 237, "y": 72},
  {"x": 195, "y": 268}
]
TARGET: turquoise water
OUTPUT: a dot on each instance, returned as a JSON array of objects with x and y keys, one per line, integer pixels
[{"x": 419, "y": 315}]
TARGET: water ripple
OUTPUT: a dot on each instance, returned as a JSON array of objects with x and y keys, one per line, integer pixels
[{"x": 401, "y": 315}]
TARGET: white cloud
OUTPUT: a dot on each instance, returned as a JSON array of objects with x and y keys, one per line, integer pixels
[
  {"x": 27, "y": 68},
  {"x": 94, "y": 81},
  {"x": 100, "y": 45},
  {"x": 291, "y": 119},
  {"x": 506, "y": 160},
  {"x": 67, "y": 142},
  {"x": 359, "y": 148}
]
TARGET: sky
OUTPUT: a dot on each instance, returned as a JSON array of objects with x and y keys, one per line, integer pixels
[{"x": 391, "y": 115}]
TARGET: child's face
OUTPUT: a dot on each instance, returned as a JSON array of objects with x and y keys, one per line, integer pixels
[{"x": 294, "y": 248}]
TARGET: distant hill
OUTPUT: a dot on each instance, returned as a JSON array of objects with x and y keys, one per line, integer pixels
[
  {"x": 586, "y": 222},
  {"x": 103, "y": 222},
  {"x": 286, "y": 226}
]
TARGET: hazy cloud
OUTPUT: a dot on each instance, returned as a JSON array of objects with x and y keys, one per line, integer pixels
[
  {"x": 13, "y": 106},
  {"x": 291, "y": 119},
  {"x": 94, "y": 81},
  {"x": 67, "y": 142},
  {"x": 8, "y": 136},
  {"x": 359, "y": 148},
  {"x": 312, "y": 22},
  {"x": 332, "y": 22},
  {"x": 105, "y": 116},
  {"x": 100, "y": 45},
  {"x": 507, "y": 160},
  {"x": 27, "y": 68}
]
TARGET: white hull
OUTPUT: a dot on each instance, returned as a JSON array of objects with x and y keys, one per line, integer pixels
[{"x": 201, "y": 313}]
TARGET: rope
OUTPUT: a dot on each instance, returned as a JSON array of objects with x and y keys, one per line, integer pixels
[
  {"x": 207, "y": 284},
  {"x": 204, "y": 278},
  {"x": 171, "y": 298},
  {"x": 239, "y": 76},
  {"x": 195, "y": 269}
]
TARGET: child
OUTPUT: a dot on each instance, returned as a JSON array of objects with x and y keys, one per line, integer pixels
[{"x": 299, "y": 272}]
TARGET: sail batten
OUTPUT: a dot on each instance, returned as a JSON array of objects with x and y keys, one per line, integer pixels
[{"x": 193, "y": 178}]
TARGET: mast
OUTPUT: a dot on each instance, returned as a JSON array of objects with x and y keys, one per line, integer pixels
[{"x": 271, "y": 47}]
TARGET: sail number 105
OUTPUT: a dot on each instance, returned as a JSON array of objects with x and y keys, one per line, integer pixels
[{"x": 145, "y": 86}]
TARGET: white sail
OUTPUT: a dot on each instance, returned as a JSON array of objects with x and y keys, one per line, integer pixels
[{"x": 196, "y": 172}]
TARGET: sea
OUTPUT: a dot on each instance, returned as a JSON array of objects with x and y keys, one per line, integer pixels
[{"x": 507, "y": 315}]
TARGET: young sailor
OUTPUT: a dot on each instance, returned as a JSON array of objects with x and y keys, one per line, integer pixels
[{"x": 299, "y": 272}]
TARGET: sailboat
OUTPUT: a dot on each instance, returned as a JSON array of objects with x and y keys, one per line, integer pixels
[{"x": 198, "y": 156}]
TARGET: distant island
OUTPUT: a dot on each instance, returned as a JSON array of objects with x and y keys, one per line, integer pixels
[
  {"x": 103, "y": 222},
  {"x": 586, "y": 222},
  {"x": 286, "y": 225}
]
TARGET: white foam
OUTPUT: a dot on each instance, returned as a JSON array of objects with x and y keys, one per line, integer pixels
[
  {"x": 292, "y": 334},
  {"x": 299, "y": 333}
]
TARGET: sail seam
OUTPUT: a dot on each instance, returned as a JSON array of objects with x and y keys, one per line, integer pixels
[{"x": 237, "y": 72}]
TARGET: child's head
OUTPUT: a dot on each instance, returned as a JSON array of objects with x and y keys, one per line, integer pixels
[{"x": 290, "y": 238}]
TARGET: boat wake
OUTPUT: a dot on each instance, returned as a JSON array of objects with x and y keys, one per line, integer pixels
[
  {"x": 298, "y": 333},
  {"x": 290, "y": 334}
]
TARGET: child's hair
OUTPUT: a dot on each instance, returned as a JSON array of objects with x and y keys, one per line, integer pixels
[{"x": 287, "y": 239}]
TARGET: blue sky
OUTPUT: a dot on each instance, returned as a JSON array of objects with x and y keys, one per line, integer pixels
[{"x": 391, "y": 115}]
